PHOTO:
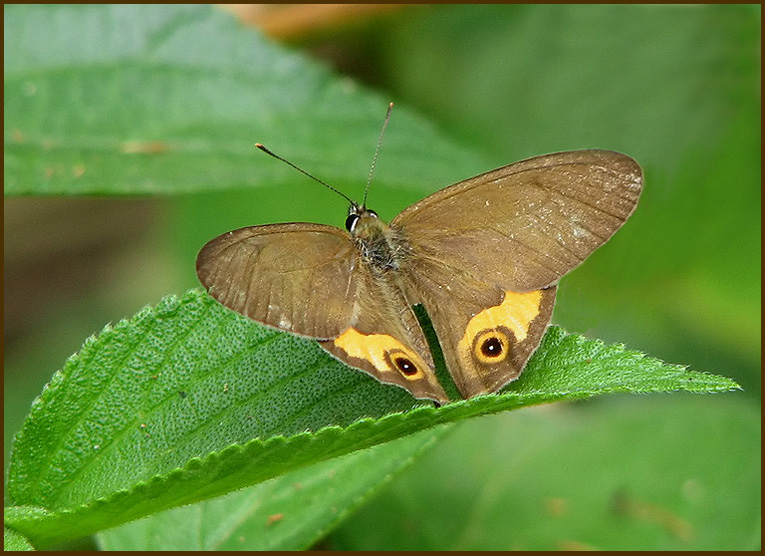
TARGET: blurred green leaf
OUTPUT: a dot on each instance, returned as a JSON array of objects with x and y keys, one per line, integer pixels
[
  {"x": 682, "y": 474},
  {"x": 657, "y": 82},
  {"x": 160, "y": 410},
  {"x": 175, "y": 101}
]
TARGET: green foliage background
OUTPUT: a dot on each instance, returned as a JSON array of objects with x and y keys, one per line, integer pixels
[{"x": 168, "y": 101}]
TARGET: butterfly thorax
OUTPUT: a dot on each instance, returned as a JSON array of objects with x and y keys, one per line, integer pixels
[{"x": 381, "y": 246}]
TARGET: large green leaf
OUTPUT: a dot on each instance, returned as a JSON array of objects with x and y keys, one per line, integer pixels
[
  {"x": 289, "y": 512},
  {"x": 174, "y": 101},
  {"x": 189, "y": 400}
]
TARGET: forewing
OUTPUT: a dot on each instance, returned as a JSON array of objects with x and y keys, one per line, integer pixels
[
  {"x": 525, "y": 225},
  {"x": 297, "y": 277}
]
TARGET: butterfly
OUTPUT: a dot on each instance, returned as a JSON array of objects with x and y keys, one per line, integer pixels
[{"x": 482, "y": 256}]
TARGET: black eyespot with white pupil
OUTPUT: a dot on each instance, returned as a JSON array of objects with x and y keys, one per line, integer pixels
[
  {"x": 492, "y": 347},
  {"x": 402, "y": 362},
  {"x": 405, "y": 366}
]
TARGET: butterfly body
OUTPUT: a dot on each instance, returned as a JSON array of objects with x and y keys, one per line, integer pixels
[
  {"x": 482, "y": 256},
  {"x": 382, "y": 248}
]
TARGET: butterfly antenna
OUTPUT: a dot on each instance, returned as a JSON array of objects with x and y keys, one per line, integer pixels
[
  {"x": 377, "y": 151},
  {"x": 299, "y": 169}
]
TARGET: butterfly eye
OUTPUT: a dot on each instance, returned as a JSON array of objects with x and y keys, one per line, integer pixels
[
  {"x": 372, "y": 213},
  {"x": 490, "y": 346},
  {"x": 351, "y": 221}
]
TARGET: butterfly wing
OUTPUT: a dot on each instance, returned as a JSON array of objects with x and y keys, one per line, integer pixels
[
  {"x": 486, "y": 333},
  {"x": 384, "y": 339},
  {"x": 527, "y": 224},
  {"x": 506, "y": 237},
  {"x": 309, "y": 279},
  {"x": 274, "y": 274}
]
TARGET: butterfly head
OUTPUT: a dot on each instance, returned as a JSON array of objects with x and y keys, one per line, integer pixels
[{"x": 362, "y": 221}]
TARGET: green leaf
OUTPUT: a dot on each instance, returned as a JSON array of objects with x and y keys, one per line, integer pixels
[
  {"x": 13, "y": 541},
  {"x": 189, "y": 400},
  {"x": 681, "y": 473},
  {"x": 175, "y": 101},
  {"x": 287, "y": 513}
]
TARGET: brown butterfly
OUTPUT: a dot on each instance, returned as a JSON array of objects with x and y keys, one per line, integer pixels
[{"x": 482, "y": 256}]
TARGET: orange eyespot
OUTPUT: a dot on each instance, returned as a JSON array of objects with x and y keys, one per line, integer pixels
[{"x": 491, "y": 346}]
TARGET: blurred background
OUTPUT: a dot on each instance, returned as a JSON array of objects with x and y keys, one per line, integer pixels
[{"x": 675, "y": 87}]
